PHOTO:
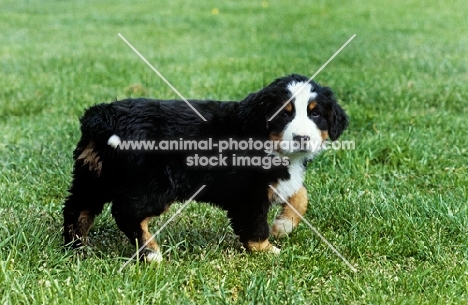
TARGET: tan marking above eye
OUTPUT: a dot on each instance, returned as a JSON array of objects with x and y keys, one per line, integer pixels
[
  {"x": 288, "y": 107},
  {"x": 312, "y": 105}
]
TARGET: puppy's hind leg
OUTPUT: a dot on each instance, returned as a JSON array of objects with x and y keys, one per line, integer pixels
[
  {"x": 79, "y": 211},
  {"x": 88, "y": 194}
]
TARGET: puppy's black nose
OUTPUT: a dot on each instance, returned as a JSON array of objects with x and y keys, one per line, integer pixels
[{"x": 300, "y": 138}]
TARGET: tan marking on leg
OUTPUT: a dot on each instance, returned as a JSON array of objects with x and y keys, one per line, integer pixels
[
  {"x": 79, "y": 230},
  {"x": 84, "y": 223},
  {"x": 148, "y": 236},
  {"x": 152, "y": 253},
  {"x": 261, "y": 246},
  {"x": 90, "y": 157},
  {"x": 288, "y": 219}
]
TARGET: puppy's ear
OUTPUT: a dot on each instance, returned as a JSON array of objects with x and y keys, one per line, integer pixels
[
  {"x": 337, "y": 118},
  {"x": 338, "y": 122}
]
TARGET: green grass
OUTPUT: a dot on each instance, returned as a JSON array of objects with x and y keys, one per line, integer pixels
[{"x": 396, "y": 207}]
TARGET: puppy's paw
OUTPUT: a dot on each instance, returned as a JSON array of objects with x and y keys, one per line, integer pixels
[
  {"x": 151, "y": 256},
  {"x": 281, "y": 228},
  {"x": 274, "y": 250},
  {"x": 262, "y": 246}
]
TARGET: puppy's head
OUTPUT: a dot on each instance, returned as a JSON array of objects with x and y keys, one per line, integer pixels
[{"x": 299, "y": 114}]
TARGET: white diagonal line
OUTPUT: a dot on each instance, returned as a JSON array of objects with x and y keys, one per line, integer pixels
[
  {"x": 315, "y": 231},
  {"x": 161, "y": 76},
  {"x": 162, "y": 227},
  {"x": 312, "y": 77}
]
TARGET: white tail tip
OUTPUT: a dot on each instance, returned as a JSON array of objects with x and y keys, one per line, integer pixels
[{"x": 113, "y": 141}]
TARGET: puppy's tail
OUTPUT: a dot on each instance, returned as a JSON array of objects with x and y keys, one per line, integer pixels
[{"x": 99, "y": 124}]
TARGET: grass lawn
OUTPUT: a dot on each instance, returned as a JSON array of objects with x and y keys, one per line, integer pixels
[{"x": 396, "y": 206}]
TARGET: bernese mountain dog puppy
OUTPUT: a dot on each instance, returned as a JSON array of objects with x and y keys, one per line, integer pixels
[{"x": 142, "y": 183}]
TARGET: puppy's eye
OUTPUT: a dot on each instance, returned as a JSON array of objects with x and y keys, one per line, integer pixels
[
  {"x": 286, "y": 114},
  {"x": 315, "y": 114}
]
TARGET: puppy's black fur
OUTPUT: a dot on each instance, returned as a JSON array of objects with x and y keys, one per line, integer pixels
[{"x": 143, "y": 183}]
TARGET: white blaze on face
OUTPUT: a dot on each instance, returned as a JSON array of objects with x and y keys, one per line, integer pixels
[{"x": 301, "y": 124}]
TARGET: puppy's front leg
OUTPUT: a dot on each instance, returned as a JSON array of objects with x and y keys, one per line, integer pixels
[
  {"x": 252, "y": 227},
  {"x": 289, "y": 217},
  {"x": 136, "y": 229}
]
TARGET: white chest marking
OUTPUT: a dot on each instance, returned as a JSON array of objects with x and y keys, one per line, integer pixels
[{"x": 289, "y": 187}]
